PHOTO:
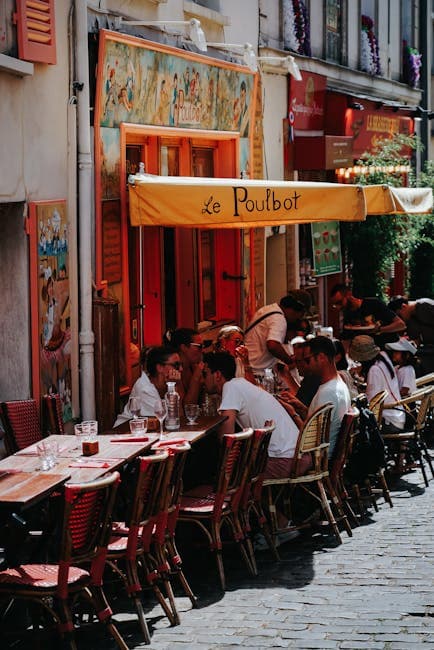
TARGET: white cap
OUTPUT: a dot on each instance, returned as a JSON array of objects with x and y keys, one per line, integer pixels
[{"x": 403, "y": 345}]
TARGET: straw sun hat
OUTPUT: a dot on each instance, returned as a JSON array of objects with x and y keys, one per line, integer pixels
[{"x": 363, "y": 348}]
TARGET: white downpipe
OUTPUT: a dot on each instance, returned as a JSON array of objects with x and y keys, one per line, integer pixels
[{"x": 84, "y": 159}]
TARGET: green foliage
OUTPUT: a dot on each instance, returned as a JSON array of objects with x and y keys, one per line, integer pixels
[
  {"x": 422, "y": 260},
  {"x": 375, "y": 244}
]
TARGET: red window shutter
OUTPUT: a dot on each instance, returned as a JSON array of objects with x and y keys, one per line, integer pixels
[{"x": 36, "y": 30}]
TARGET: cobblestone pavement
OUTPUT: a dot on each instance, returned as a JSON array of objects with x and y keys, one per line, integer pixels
[{"x": 375, "y": 591}]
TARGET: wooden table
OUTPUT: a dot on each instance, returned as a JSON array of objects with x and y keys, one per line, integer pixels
[{"x": 191, "y": 433}]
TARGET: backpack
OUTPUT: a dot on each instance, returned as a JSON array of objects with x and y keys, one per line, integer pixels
[{"x": 368, "y": 453}]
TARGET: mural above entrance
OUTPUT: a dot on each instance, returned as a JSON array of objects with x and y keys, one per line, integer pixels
[{"x": 143, "y": 85}]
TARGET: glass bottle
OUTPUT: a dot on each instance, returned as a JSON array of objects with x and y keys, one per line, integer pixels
[
  {"x": 268, "y": 380},
  {"x": 173, "y": 407}
]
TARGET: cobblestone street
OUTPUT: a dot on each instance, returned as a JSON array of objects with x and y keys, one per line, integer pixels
[{"x": 376, "y": 591}]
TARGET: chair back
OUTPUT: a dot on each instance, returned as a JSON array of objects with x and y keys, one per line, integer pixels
[
  {"x": 177, "y": 457},
  {"x": 343, "y": 444},
  {"x": 314, "y": 439},
  {"x": 257, "y": 463},
  {"x": 86, "y": 527},
  {"x": 52, "y": 414},
  {"x": 376, "y": 405},
  {"x": 149, "y": 499},
  {"x": 233, "y": 467},
  {"x": 425, "y": 405},
  {"x": 21, "y": 424}
]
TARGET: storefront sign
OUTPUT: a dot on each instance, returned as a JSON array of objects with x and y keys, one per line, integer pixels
[
  {"x": 368, "y": 127},
  {"x": 306, "y": 103},
  {"x": 323, "y": 152},
  {"x": 326, "y": 247},
  {"x": 220, "y": 203}
]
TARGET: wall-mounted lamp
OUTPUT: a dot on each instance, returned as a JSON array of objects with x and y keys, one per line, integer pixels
[
  {"x": 356, "y": 106},
  {"x": 286, "y": 61},
  {"x": 248, "y": 53},
  {"x": 196, "y": 32}
]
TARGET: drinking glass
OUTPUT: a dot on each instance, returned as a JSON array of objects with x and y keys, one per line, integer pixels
[
  {"x": 138, "y": 426},
  {"x": 90, "y": 429},
  {"x": 191, "y": 413},
  {"x": 134, "y": 407},
  {"x": 160, "y": 410}
]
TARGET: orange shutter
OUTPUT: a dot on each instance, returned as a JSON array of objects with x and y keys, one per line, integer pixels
[{"x": 36, "y": 30}]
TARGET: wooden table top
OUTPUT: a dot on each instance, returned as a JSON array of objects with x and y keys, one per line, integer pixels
[{"x": 22, "y": 483}]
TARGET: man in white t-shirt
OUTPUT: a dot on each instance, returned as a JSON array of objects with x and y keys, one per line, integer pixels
[
  {"x": 266, "y": 334},
  {"x": 319, "y": 354},
  {"x": 248, "y": 405}
]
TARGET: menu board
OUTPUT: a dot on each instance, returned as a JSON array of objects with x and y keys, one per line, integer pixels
[{"x": 326, "y": 247}]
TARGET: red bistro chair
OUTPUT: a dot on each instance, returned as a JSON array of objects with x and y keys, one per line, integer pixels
[
  {"x": 21, "y": 424},
  {"x": 85, "y": 534},
  {"x": 209, "y": 507},
  {"x": 53, "y": 417}
]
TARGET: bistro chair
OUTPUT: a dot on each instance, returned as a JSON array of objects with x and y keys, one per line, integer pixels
[
  {"x": 313, "y": 439},
  {"x": 21, "y": 424},
  {"x": 84, "y": 538},
  {"x": 209, "y": 507},
  {"x": 411, "y": 444},
  {"x": 344, "y": 445},
  {"x": 52, "y": 414},
  {"x": 376, "y": 405},
  {"x": 129, "y": 549},
  {"x": 425, "y": 380},
  {"x": 170, "y": 564},
  {"x": 251, "y": 497}
]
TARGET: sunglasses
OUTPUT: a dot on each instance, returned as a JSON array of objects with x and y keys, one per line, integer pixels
[
  {"x": 197, "y": 345},
  {"x": 175, "y": 364}
]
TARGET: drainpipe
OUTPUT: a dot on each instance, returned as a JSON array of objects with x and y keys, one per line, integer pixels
[{"x": 84, "y": 159}]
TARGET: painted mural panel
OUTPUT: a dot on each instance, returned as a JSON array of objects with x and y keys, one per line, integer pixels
[
  {"x": 54, "y": 303},
  {"x": 144, "y": 86},
  {"x": 110, "y": 163}
]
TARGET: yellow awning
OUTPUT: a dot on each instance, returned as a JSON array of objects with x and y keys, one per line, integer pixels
[
  {"x": 232, "y": 203},
  {"x": 383, "y": 199}
]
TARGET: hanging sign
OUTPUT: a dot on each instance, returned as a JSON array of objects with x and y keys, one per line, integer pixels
[{"x": 326, "y": 248}]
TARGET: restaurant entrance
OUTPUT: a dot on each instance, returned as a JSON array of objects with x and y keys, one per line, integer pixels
[{"x": 176, "y": 275}]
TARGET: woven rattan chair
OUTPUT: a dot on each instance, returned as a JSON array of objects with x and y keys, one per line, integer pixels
[
  {"x": 425, "y": 380},
  {"x": 250, "y": 503},
  {"x": 412, "y": 442},
  {"x": 85, "y": 534},
  {"x": 343, "y": 450},
  {"x": 52, "y": 412},
  {"x": 130, "y": 545},
  {"x": 376, "y": 405},
  {"x": 21, "y": 424},
  {"x": 313, "y": 439},
  {"x": 170, "y": 561},
  {"x": 209, "y": 507}
]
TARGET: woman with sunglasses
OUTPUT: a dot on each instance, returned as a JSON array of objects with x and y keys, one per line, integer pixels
[
  {"x": 159, "y": 365},
  {"x": 189, "y": 345}
]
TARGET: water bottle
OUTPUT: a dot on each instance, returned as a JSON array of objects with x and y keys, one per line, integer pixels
[
  {"x": 173, "y": 407},
  {"x": 268, "y": 380}
]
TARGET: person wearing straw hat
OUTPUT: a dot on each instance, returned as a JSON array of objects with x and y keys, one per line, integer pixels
[{"x": 379, "y": 375}]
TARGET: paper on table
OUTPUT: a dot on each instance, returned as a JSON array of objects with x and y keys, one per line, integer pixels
[
  {"x": 89, "y": 464},
  {"x": 128, "y": 439}
]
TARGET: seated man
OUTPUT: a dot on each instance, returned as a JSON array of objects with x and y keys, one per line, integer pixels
[
  {"x": 250, "y": 406},
  {"x": 319, "y": 355}
]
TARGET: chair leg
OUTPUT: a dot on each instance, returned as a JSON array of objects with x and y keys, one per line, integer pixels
[
  {"x": 337, "y": 502},
  {"x": 133, "y": 588},
  {"x": 176, "y": 564},
  {"x": 427, "y": 456},
  {"x": 328, "y": 512},
  {"x": 142, "y": 619},
  {"x": 263, "y": 524},
  {"x": 215, "y": 532},
  {"x": 371, "y": 495},
  {"x": 66, "y": 625},
  {"x": 385, "y": 487},
  {"x": 98, "y": 599}
]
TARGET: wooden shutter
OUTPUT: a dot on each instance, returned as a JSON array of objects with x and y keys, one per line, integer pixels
[{"x": 36, "y": 30}]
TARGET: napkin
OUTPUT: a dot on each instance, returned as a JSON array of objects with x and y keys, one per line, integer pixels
[
  {"x": 90, "y": 464},
  {"x": 128, "y": 439}
]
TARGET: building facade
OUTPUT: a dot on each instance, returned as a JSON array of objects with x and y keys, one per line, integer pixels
[{"x": 113, "y": 84}]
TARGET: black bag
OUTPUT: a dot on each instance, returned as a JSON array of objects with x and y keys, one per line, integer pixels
[{"x": 368, "y": 453}]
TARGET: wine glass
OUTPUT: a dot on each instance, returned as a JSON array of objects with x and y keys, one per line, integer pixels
[
  {"x": 160, "y": 410},
  {"x": 134, "y": 407}
]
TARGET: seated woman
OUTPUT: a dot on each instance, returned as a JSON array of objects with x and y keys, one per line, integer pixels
[
  {"x": 231, "y": 339},
  {"x": 380, "y": 375},
  {"x": 159, "y": 365},
  {"x": 403, "y": 352},
  {"x": 189, "y": 345}
]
